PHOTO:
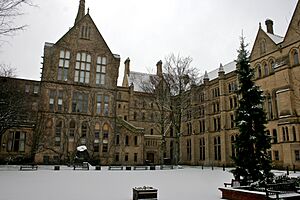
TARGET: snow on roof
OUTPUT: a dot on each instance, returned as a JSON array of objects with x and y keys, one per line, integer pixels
[
  {"x": 139, "y": 79},
  {"x": 276, "y": 38},
  {"x": 230, "y": 67}
]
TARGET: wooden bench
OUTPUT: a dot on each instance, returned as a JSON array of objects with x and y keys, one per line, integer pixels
[
  {"x": 115, "y": 167},
  {"x": 28, "y": 167},
  {"x": 83, "y": 166},
  {"x": 282, "y": 190},
  {"x": 140, "y": 167}
]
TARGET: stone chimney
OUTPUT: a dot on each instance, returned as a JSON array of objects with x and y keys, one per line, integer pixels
[
  {"x": 206, "y": 78},
  {"x": 81, "y": 11},
  {"x": 269, "y": 24},
  {"x": 127, "y": 66},
  {"x": 159, "y": 68}
]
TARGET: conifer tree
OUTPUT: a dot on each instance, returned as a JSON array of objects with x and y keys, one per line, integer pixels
[{"x": 252, "y": 160}]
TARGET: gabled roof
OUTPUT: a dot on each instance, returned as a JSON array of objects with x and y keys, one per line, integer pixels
[
  {"x": 229, "y": 67},
  {"x": 275, "y": 38},
  {"x": 139, "y": 80},
  {"x": 87, "y": 16}
]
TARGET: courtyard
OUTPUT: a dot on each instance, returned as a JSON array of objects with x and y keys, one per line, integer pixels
[{"x": 47, "y": 184}]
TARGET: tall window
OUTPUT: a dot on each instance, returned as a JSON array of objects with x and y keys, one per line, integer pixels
[
  {"x": 63, "y": 66},
  {"x": 202, "y": 149},
  {"x": 294, "y": 134},
  {"x": 51, "y": 100},
  {"x": 106, "y": 108},
  {"x": 85, "y": 32},
  {"x": 259, "y": 71},
  {"x": 297, "y": 155},
  {"x": 58, "y": 132},
  {"x": 72, "y": 129},
  {"x": 285, "y": 134},
  {"x": 101, "y": 70},
  {"x": 98, "y": 103},
  {"x": 82, "y": 68},
  {"x": 105, "y": 131},
  {"x": 189, "y": 149},
  {"x": 233, "y": 150},
  {"x": 16, "y": 141},
  {"x": 266, "y": 68},
  {"x": 275, "y": 140},
  {"x": 135, "y": 140},
  {"x": 270, "y": 113},
  {"x": 295, "y": 57},
  {"x": 97, "y": 136},
  {"x": 80, "y": 102},
  {"x": 272, "y": 63},
  {"x": 217, "y": 148},
  {"x": 126, "y": 140},
  {"x": 60, "y": 101}
]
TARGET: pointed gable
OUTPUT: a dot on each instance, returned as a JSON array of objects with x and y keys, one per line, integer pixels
[
  {"x": 263, "y": 44},
  {"x": 293, "y": 32}
]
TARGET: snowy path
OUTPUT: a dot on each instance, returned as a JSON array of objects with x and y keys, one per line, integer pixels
[{"x": 66, "y": 184}]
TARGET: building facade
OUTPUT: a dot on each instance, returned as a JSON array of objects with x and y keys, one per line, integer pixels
[{"x": 79, "y": 103}]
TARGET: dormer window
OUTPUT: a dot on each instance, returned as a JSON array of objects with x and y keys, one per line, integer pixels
[
  {"x": 85, "y": 32},
  {"x": 63, "y": 66}
]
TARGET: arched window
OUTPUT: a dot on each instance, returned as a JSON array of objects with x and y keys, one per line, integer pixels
[
  {"x": 259, "y": 71},
  {"x": 295, "y": 57},
  {"x": 266, "y": 69},
  {"x": 272, "y": 64},
  {"x": 105, "y": 131},
  {"x": 96, "y": 139},
  {"x": 275, "y": 140},
  {"x": 72, "y": 129}
]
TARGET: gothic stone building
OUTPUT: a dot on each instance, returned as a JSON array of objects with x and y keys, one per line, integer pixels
[{"x": 77, "y": 102}]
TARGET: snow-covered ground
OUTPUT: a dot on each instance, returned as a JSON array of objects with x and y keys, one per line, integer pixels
[
  {"x": 66, "y": 184},
  {"x": 46, "y": 184}
]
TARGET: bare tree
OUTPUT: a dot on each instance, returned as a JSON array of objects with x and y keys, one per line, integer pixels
[
  {"x": 12, "y": 100},
  {"x": 169, "y": 89},
  {"x": 7, "y": 71},
  {"x": 9, "y": 10}
]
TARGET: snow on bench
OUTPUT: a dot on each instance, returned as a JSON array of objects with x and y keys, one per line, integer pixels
[
  {"x": 115, "y": 167},
  {"x": 140, "y": 167},
  {"x": 28, "y": 167},
  {"x": 282, "y": 190},
  {"x": 82, "y": 166}
]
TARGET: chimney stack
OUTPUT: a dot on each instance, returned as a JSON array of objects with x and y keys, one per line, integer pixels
[
  {"x": 127, "y": 66},
  {"x": 269, "y": 24},
  {"x": 159, "y": 68}
]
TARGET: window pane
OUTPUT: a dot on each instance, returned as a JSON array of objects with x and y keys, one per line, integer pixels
[
  {"x": 78, "y": 57},
  {"x": 61, "y": 62},
  {"x": 87, "y": 77},
  {"x": 76, "y": 76},
  {"x": 67, "y": 64},
  {"x": 77, "y": 65},
  {"x": 82, "y": 66},
  {"x": 103, "y": 70},
  {"x": 97, "y": 78},
  {"x": 81, "y": 76},
  {"x": 83, "y": 57},
  {"x": 88, "y": 58},
  {"x": 59, "y": 77},
  {"x": 102, "y": 79},
  {"x": 99, "y": 60},
  {"x": 62, "y": 54},
  {"x": 104, "y": 60},
  {"x": 88, "y": 66},
  {"x": 65, "y": 74},
  {"x": 98, "y": 68},
  {"x": 67, "y": 55}
]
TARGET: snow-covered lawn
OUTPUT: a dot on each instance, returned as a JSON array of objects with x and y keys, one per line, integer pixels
[{"x": 46, "y": 184}]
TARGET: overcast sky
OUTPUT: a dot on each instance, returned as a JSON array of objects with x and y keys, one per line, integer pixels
[{"x": 148, "y": 30}]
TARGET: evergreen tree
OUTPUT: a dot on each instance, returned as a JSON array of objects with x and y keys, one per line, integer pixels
[{"x": 252, "y": 160}]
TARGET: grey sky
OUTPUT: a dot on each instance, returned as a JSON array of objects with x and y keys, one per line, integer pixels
[{"x": 147, "y": 31}]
